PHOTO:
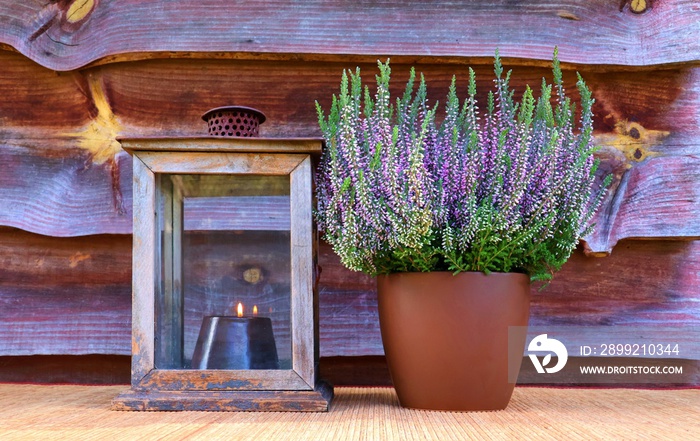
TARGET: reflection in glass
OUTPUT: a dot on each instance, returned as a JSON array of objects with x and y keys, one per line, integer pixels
[{"x": 225, "y": 241}]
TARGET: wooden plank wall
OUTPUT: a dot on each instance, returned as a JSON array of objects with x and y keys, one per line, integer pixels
[
  {"x": 75, "y": 75},
  {"x": 72, "y": 295}
]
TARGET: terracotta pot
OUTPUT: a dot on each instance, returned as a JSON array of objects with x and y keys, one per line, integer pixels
[{"x": 446, "y": 337}]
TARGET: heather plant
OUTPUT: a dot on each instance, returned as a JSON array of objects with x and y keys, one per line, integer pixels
[{"x": 510, "y": 189}]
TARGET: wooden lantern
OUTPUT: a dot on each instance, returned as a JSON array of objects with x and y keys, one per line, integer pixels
[{"x": 220, "y": 225}]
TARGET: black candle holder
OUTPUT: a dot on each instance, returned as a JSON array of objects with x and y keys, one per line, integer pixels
[{"x": 227, "y": 342}]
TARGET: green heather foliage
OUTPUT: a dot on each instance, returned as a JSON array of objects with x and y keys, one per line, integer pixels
[{"x": 510, "y": 189}]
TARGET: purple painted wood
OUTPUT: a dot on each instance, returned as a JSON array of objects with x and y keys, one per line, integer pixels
[
  {"x": 65, "y": 174},
  {"x": 73, "y": 295},
  {"x": 69, "y": 35}
]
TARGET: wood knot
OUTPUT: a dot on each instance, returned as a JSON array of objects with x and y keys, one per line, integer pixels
[
  {"x": 79, "y": 10},
  {"x": 635, "y": 141},
  {"x": 636, "y": 6},
  {"x": 69, "y": 15},
  {"x": 636, "y": 135},
  {"x": 632, "y": 129}
]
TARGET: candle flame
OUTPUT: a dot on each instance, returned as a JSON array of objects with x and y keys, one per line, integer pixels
[
  {"x": 255, "y": 309},
  {"x": 239, "y": 309}
]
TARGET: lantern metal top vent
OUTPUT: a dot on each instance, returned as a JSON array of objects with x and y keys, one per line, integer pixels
[
  {"x": 225, "y": 310},
  {"x": 236, "y": 121}
]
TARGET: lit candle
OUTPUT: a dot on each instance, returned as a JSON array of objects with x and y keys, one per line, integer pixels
[{"x": 227, "y": 342}]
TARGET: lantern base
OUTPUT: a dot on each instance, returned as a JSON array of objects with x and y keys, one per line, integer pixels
[{"x": 317, "y": 400}]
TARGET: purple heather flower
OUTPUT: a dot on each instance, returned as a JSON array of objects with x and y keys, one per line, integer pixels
[{"x": 509, "y": 189}]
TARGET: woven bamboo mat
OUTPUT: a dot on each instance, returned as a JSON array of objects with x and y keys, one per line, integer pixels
[{"x": 35, "y": 412}]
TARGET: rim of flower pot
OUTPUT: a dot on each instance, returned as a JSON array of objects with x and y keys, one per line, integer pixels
[{"x": 493, "y": 273}]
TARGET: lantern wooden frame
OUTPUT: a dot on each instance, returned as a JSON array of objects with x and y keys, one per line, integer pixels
[{"x": 295, "y": 389}]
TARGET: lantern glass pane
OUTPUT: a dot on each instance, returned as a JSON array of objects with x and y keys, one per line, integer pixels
[{"x": 225, "y": 242}]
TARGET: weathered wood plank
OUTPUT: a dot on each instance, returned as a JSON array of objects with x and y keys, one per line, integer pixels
[
  {"x": 64, "y": 196},
  {"x": 659, "y": 195},
  {"x": 68, "y": 319},
  {"x": 223, "y": 163},
  {"x": 317, "y": 400},
  {"x": 304, "y": 332},
  {"x": 639, "y": 283},
  {"x": 146, "y": 264},
  {"x": 662, "y": 100},
  {"x": 35, "y": 96},
  {"x": 68, "y": 35},
  {"x": 195, "y": 379},
  {"x": 71, "y": 178},
  {"x": 52, "y": 266},
  {"x": 224, "y": 145},
  {"x": 71, "y": 369},
  {"x": 73, "y": 295}
]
